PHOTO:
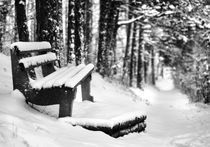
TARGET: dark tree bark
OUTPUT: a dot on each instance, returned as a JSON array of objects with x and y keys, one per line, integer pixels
[
  {"x": 139, "y": 65},
  {"x": 76, "y": 31},
  {"x": 145, "y": 62},
  {"x": 111, "y": 34},
  {"x": 71, "y": 29},
  {"x": 102, "y": 63},
  {"x": 49, "y": 16},
  {"x": 107, "y": 36},
  {"x": 132, "y": 59},
  {"x": 3, "y": 14},
  {"x": 78, "y": 24},
  {"x": 126, "y": 56},
  {"x": 88, "y": 17},
  {"x": 21, "y": 20},
  {"x": 153, "y": 65}
]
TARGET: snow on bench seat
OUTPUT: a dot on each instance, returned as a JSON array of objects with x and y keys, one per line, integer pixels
[
  {"x": 62, "y": 76},
  {"x": 31, "y": 46},
  {"x": 38, "y": 60},
  {"x": 78, "y": 77}
]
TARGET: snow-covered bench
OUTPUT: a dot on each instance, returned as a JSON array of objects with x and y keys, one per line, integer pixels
[{"x": 36, "y": 75}]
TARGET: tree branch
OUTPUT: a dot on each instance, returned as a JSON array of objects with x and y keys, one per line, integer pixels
[{"x": 125, "y": 22}]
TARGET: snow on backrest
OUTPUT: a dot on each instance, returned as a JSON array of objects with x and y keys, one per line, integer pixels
[
  {"x": 37, "y": 60},
  {"x": 31, "y": 46}
]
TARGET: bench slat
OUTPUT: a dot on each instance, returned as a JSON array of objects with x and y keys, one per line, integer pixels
[
  {"x": 39, "y": 83},
  {"x": 28, "y": 47},
  {"x": 79, "y": 76},
  {"x": 69, "y": 75},
  {"x": 35, "y": 61},
  {"x": 50, "y": 81}
]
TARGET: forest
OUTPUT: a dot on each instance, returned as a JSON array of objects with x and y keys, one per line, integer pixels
[
  {"x": 129, "y": 40},
  {"x": 151, "y": 61}
]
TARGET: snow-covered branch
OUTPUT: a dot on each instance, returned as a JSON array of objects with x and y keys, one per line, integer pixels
[{"x": 125, "y": 22}]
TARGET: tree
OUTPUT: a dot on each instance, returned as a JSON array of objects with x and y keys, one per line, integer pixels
[
  {"x": 107, "y": 36},
  {"x": 3, "y": 13},
  {"x": 128, "y": 30},
  {"x": 49, "y": 16},
  {"x": 79, "y": 13},
  {"x": 21, "y": 20},
  {"x": 88, "y": 17},
  {"x": 139, "y": 62},
  {"x": 133, "y": 57},
  {"x": 102, "y": 58},
  {"x": 71, "y": 30}
]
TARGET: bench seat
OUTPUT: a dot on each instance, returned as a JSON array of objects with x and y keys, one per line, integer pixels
[{"x": 69, "y": 77}]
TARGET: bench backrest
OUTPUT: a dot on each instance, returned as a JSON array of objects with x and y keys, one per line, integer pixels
[{"x": 26, "y": 57}]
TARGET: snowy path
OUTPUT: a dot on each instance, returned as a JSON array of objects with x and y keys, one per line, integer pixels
[{"x": 173, "y": 121}]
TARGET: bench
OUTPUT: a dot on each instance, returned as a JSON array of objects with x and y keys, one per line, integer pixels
[{"x": 37, "y": 74}]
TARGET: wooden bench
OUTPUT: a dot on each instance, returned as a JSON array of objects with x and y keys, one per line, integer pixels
[{"x": 35, "y": 74}]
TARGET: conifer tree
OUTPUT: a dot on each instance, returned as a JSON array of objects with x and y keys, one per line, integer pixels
[
  {"x": 3, "y": 13},
  {"x": 49, "y": 16},
  {"x": 21, "y": 20}
]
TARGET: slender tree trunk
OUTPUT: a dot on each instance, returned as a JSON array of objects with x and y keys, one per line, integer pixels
[
  {"x": 114, "y": 40},
  {"x": 153, "y": 65},
  {"x": 126, "y": 56},
  {"x": 132, "y": 60},
  {"x": 139, "y": 66},
  {"x": 102, "y": 64},
  {"x": 88, "y": 31},
  {"x": 78, "y": 24},
  {"x": 21, "y": 20},
  {"x": 3, "y": 14},
  {"x": 71, "y": 34},
  {"x": 145, "y": 64}
]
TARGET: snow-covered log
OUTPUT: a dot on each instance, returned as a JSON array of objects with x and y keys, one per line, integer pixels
[{"x": 115, "y": 127}]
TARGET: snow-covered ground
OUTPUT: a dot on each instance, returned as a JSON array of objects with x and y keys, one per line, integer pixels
[{"x": 171, "y": 119}]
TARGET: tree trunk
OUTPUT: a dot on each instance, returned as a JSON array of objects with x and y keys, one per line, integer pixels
[
  {"x": 21, "y": 20},
  {"x": 132, "y": 60},
  {"x": 145, "y": 64},
  {"x": 102, "y": 64},
  {"x": 153, "y": 65},
  {"x": 126, "y": 56},
  {"x": 78, "y": 31},
  {"x": 3, "y": 14},
  {"x": 107, "y": 36},
  {"x": 139, "y": 66},
  {"x": 88, "y": 16},
  {"x": 71, "y": 34},
  {"x": 111, "y": 34},
  {"x": 49, "y": 16}
]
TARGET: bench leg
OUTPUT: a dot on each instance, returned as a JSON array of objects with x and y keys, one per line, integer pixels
[
  {"x": 66, "y": 102},
  {"x": 86, "y": 89}
]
